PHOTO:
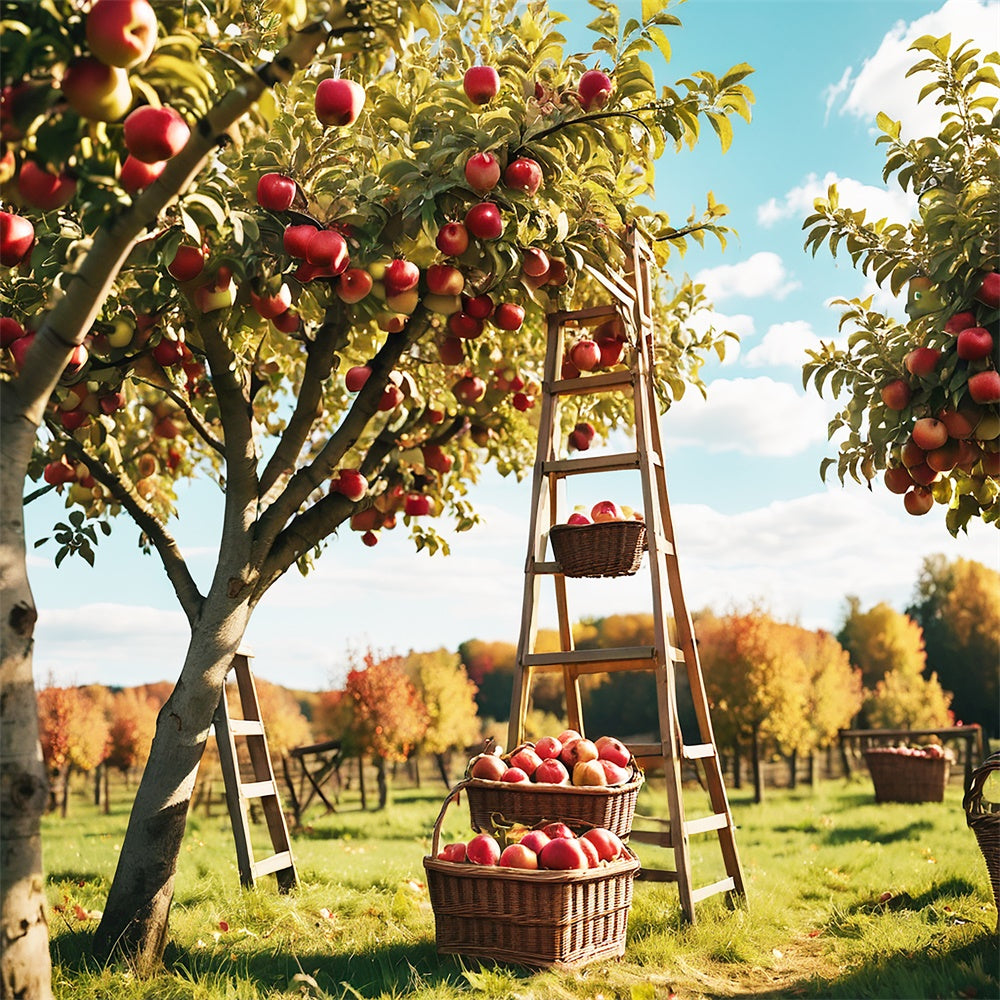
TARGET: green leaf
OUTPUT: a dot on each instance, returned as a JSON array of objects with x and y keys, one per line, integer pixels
[{"x": 660, "y": 40}]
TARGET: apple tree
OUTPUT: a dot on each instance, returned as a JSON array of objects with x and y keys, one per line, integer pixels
[
  {"x": 921, "y": 396},
  {"x": 320, "y": 283}
]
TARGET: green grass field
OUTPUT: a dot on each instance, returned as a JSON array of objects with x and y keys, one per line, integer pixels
[{"x": 817, "y": 922}]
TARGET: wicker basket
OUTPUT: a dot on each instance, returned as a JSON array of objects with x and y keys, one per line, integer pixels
[
  {"x": 985, "y": 824},
  {"x": 497, "y": 804},
  {"x": 610, "y": 548},
  {"x": 902, "y": 778},
  {"x": 536, "y": 918}
]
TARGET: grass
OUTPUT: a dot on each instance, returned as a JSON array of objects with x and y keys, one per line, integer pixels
[{"x": 818, "y": 921}]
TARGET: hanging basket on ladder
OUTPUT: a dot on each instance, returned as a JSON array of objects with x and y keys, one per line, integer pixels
[
  {"x": 610, "y": 548},
  {"x": 983, "y": 818}
]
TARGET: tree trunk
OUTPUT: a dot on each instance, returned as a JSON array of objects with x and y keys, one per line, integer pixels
[
  {"x": 415, "y": 773},
  {"x": 134, "y": 924},
  {"x": 758, "y": 774},
  {"x": 793, "y": 770},
  {"x": 737, "y": 765},
  {"x": 64, "y": 791},
  {"x": 813, "y": 769},
  {"x": 97, "y": 785},
  {"x": 442, "y": 763},
  {"x": 383, "y": 783},
  {"x": 107, "y": 790},
  {"x": 361, "y": 781}
]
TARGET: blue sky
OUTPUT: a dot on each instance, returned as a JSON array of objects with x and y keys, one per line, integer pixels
[{"x": 753, "y": 522}]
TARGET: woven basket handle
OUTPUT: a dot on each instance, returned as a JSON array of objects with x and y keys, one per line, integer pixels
[
  {"x": 452, "y": 796},
  {"x": 972, "y": 803}
]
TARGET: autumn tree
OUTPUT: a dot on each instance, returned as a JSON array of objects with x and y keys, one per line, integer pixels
[
  {"x": 957, "y": 604},
  {"x": 388, "y": 717},
  {"x": 131, "y": 726},
  {"x": 179, "y": 314},
  {"x": 449, "y": 697},
  {"x": 920, "y": 397}
]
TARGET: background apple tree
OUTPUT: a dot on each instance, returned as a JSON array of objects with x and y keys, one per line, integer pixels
[
  {"x": 921, "y": 396},
  {"x": 328, "y": 297}
]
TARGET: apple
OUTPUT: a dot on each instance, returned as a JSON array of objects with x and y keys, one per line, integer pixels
[
  {"x": 121, "y": 32},
  {"x": 391, "y": 398},
  {"x": 558, "y": 274},
  {"x": 73, "y": 419},
  {"x": 187, "y": 264},
  {"x": 961, "y": 422},
  {"x": 911, "y": 455},
  {"x": 508, "y": 316},
  {"x": 991, "y": 463},
  {"x": 923, "y": 474},
  {"x": 57, "y": 473},
  {"x": 897, "y": 479},
  {"x": 464, "y": 326},
  {"x": 356, "y": 377},
  {"x": 585, "y": 355},
  {"x": 452, "y": 239},
  {"x": 95, "y": 90},
  {"x": 328, "y": 249},
  {"x": 615, "y": 773},
  {"x": 444, "y": 279},
  {"x": 167, "y": 353},
  {"x": 605, "y": 510},
  {"x": 295, "y": 240},
  {"x": 19, "y": 349},
  {"x": 918, "y": 501},
  {"x": 896, "y": 394},
  {"x": 364, "y": 520},
  {"x": 984, "y": 387},
  {"x": 10, "y": 330},
  {"x": 353, "y": 285},
  {"x": 594, "y": 89},
  {"x": 611, "y": 349},
  {"x": 452, "y": 852},
  {"x": 929, "y": 433},
  {"x": 484, "y": 221},
  {"x": 989, "y": 290},
  {"x": 974, "y": 343},
  {"x": 488, "y": 767},
  {"x": 417, "y": 504},
  {"x": 137, "y": 176},
  {"x": 589, "y": 772},
  {"x": 482, "y": 172},
  {"x": 526, "y": 758},
  {"x": 922, "y": 361},
  {"x": 578, "y": 750},
  {"x": 469, "y": 390},
  {"x": 213, "y": 296},
  {"x": 548, "y": 747},
  {"x": 287, "y": 322},
  {"x": 514, "y": 775},
  {"x": 959, "y": 322},
  {"x": 339, "y": 102},
  {"x": 568, "y": 735},
  {"x": 518, "y": 856},
  {"x": 968, "y": 455},
  {"x": 403, "y": 303},
  {"x": 577, "y": 518},
  {"x": 557, "y": 829},
  {"x": 450, "y": 351},
  {"x": 609, "y": 748},
  {"x": 352, "y": 484},
  {"x": 400, "y": 276},
  {"x": 523, "y": 174},
  {"x": 42, "y": 189},
  {"x": 436, "y": 459},
  {"x": 550, "y": 772},
  {"x": 479, "y": 306},
  {"x": 154, "y": 134},
  {"x": 535, "y": 840},
  {"x": 534, "y": 262},
  {"x": 275, "y": 192},
  {"x": 562, "y": 854},
  {"x": 481, "y": 84},
  {"x": 945, "y": 458},
  {"x": 267, "y": 305},
  {"x": 608, "y": 844},
  {"x": 17, "y": 236},
  {"x": 482, "y": 850}
]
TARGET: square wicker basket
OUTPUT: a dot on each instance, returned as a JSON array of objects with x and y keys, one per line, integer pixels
[
  {"x": 901, "y": 778},
  {"x": 610, "y": 548}
]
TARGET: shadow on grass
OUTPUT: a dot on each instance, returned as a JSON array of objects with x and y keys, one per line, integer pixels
[{"x": 875, "y": 834}]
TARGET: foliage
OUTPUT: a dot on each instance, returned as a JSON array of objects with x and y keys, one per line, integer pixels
[
  {"x": 904, "y": 699},
  {"x": 285, "y": 724},
  {"x": 944, "y": 254},
  {"x": 72, "y": 727},
  {"x": 449, "y": 697},
  {"x": 131, "y": 724}
]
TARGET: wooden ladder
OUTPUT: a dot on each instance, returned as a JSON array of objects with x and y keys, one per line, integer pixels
[
  {"x": 240, "y": 793},
  {"x": 632, "y": 303}
]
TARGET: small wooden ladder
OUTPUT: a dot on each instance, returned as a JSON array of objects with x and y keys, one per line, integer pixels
[
  {"x": 632, "y": 303},
  {"x": 240, "y": 793}
]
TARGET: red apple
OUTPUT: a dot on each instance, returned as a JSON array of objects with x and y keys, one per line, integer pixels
[
  {"x": 535, "y": 262},
  {"x": 364, "y": 520},
  {"x": 481, "y": 84},
  {"x": 482, "y": 172},
  {"x": 896, "y": 394},
  {"x": 444, "y": 279},
  {"x": 287, "y": 322},
  {"x": 526, "y": 758},
  {"x": 42, "y": 189},
  {"x": 984, "y": 387},
  {"x": 923, "y": 474},
  {"x": 945, "y": 458},
  {"x": 154, "y": 134},
  {"x": 522, "y": 401},
  {"x": 577, "y": 518},
  {"x": 608, "y": 844},
  {"x": 989, "y": 290},
  {"x": 612, "y": 350},
  {"x": 19, "y": 349},
  {"x": 911, "y": 455},
  {"x": 535, "y": 840},
  {"x": 356, "y": 377},
  {"x": 469, "y": 389},
  {"x": 606, "y": 510},
  {"x": 450, "y": 351},
  {"x": 557, "y": 829},
  {"x": 275, "y": 192},
  {"x": 452, "y": 852},
  {"x": 267, "y": 305},
  {"x": 550, "y": 772},
  {"x": 391, "y": 398},
  {"x": 295, "y": 240},
  {"x": 339, "y": 102},
  {"x": 929, "y": 433},
  {"x": 589, "y": 772},
  {"x": 328, "y": 249},
  {"x": 417, "y": 504},
  {"x": 137, "y": 176},
  {"x": 518, "y": 856},
  {"x": 594, "y": 89},
  {"x": 974, "y": 343},
  {"x": 121, "y": 32},
  {"x": 452, "y": 239},
  {"x": 918, "y": 501},
  {"x": 436, "y": 459},
  {"x": 961, "y": 422},
  {"x": 352, "y": 484},
  {"x": 959, "y": 322},
  {"x": 585, "y": 355},
  {"x": 590, "y": 852},
  {"x": 562, "y": 854},
  {"x": 615, "y": 773},
  {"x": 482, "y": 850},
  {"x": 354, "y": 284},
  {"x": 167, "y": 353},
  {"x": 400, "y": 276},
  {"x": 187, "y": 264},
  {"x": 609, "y": 748},
  {"x": 523, "y": 174},
  {"x": 57, "y": 473},
  {"x": 17, "y": 236},
  {"x": 95, "y": 90},
  {"x": 514, "y": 775},
  {"x": 488, "y": 767},
  {"x": 214, "y": 295},
  {"x": 464, "y": 326},
  {"x": 508, "y": 316},
  {"x": 922, "y": 361},
  {"x": 897, "y": 479},
  {"x": 479, "y": 306},
  {"x": 578, "y": 750},
  {"x": 484, "y": 221},
  {"x": 548, "y": 747},
  {"x": 568, "y": 735},
  {"x": 10, "y": 330}
]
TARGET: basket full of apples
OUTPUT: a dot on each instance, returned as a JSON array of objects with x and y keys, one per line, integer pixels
[
  {"x": 909, "y": 774},
  {"x": 567, "y": 777},
  {"x": 610, "y": 542},
  {"x": 547, "y": 896}
]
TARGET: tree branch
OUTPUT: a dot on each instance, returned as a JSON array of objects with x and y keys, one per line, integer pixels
[{"x": 194, "y": 418}]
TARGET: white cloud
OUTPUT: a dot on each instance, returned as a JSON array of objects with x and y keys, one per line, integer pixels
[
  {"x": 881, "y": 83},
  {"x": 762, "y": 274},
  {"x": 756, "y": 416},
  {"x": 784, "y": 344},
  {"x": 742, "y": 324},
  {"x": 878, "y": 202}
]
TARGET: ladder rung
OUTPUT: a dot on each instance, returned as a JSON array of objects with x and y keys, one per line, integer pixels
[
  {"x": 582, "y": 315},
  {"x": 657, "y": 875},
  {"x": 704, "y": 824},
  {"x": 647, "y": 750},
  {"x": 723, "y": 885},
  {"x": 258, "y": 789},
  {"x": 698, "y": 751},
  {"x": 592, "y": 463},
  {"x": 615, "y": 379},
  {"x": 576, "y": 656},
  {"x": 246, "y": 727},
  {"x": 275, "y": 863},
  {"x": 657, "y": 837}
]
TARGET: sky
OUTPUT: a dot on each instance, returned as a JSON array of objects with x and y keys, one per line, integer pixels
[{"x": 754, "y": 525}]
